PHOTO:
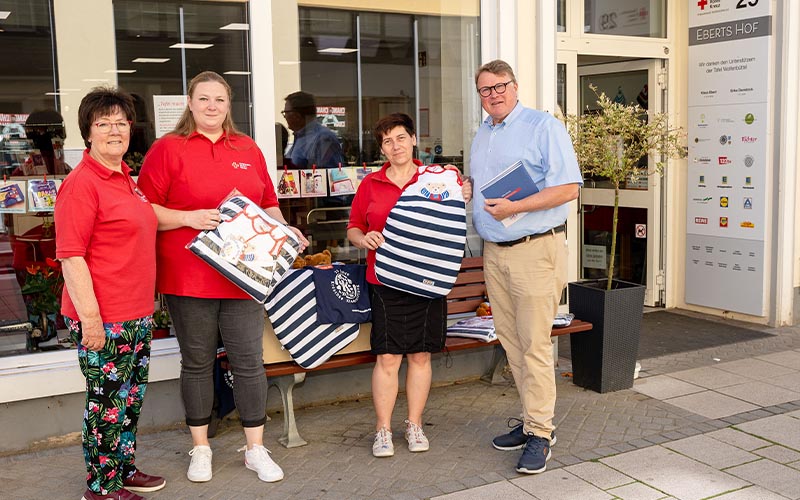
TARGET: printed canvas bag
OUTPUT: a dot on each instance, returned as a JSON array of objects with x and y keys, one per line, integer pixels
[
  {"x": 249, "y": 247},
  {"x": 292, "y": 310},
  {"x": 425, "y": 235}
]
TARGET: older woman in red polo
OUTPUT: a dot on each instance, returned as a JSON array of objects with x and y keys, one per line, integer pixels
[{"x": 106, "y": 243}]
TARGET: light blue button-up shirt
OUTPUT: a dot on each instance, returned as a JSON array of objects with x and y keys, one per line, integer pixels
[{"x": 541, "y": 142}]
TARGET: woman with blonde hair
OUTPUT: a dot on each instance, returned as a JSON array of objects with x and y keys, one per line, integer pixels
[{"x": 186, "y": 174}]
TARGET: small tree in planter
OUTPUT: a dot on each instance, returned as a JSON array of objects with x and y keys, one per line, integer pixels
[{"x": 611, "y": 143}]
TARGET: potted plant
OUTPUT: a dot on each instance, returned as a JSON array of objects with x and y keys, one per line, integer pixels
[
  {"x": 611, "y": 143},
  {"x": 41, "y": 292},
  {"x": 161, "y": 323}
]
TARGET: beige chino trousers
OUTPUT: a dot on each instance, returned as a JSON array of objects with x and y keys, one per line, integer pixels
[{"x": 525, "y": 283}]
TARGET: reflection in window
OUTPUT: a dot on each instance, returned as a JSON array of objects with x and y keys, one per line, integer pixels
[
  {"x": 31, "y": 139},
  {"x": 561, "y": 16},
  {"x": 625, "y": 17},
  {"x": 360, "y": 66},
  {"x": 626, "y": 87},
  {"x": 166, "y": 43}
]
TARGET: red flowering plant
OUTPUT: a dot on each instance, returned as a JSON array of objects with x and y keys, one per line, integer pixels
[{"x": 42, "y": 287}]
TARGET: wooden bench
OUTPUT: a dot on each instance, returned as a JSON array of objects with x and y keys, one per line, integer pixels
[{"x": 467, "y": 294}]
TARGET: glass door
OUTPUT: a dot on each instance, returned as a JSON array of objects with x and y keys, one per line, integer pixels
[{"x": 639, "y": 234}]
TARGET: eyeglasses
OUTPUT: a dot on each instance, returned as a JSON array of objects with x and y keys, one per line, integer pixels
[
  {"x": 499, "y": 88},
  {"x": 105, "y": 127},
  {"x": 286, "y": 112}
]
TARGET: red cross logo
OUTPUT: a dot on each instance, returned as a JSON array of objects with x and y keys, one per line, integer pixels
[{"x": 702, "y": 4}]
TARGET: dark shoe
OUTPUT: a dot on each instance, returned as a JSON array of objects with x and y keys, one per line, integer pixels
[
  {"x": 122, "y": 494},
  {"x": 516, "y": 439},
  {"x": 535, "y": 455},
  {"x": 142, "y": 482}
]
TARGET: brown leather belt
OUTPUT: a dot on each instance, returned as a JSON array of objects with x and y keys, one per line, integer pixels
[{"x": 554, "y": 231}]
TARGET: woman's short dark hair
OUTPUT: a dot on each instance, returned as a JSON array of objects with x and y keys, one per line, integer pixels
[
  {"x": 390, "y": 122},
  {"x": 103, "y": 101}
]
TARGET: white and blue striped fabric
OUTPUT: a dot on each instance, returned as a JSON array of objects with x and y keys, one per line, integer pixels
[
  {"x": 292, "y": 310},
  {"x": 424, "y": 236},
  {"x": 249, "y": 247}
]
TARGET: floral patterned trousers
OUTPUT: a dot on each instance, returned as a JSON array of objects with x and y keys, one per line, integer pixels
[{"x": 116, "y": 379}]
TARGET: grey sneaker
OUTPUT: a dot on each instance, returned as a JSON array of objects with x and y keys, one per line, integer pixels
[
  {"x": 383, "y": 446},
  {"x": 417, "y": 441},
  {"x": 516, "y": 439},
  {"x": 200, "y": 466},
  {"x": 257, "y": 459}
]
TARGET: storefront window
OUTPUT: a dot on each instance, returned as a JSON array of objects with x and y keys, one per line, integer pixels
[
  {"x": 358, "y": 66},
  {"x": 625, "y": 17},
  {"x": 161, "y": 45},
  {"x": 151, "y": 49},
  {"x": 31, "y": 138}
]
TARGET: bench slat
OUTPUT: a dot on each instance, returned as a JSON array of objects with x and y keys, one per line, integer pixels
[
  {"x": 463, "y": 306},
  {"x": 469, "y": 277},
  {"x": 466, "y": 292}
]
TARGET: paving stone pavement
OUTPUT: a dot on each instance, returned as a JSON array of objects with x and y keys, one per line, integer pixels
[{"x": 631, "y": 444}]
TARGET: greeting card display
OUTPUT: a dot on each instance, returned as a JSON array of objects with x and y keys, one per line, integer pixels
[
  {"x": 42, "y": 195},
  {"x": 342, "y": 180},
  {"x": 313, "y": 183},
  {"x": 249, "y": 247},
  {"x": 289, "y": 184},
  {"x": 362, "y": 172},
  {"x": 12, "y": 197}
]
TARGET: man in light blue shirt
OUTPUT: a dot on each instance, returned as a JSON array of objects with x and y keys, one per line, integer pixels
[{"x": 525, "y": 263}]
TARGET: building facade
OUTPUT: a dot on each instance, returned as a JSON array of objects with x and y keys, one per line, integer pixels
[{"x": 363, "y": 59}]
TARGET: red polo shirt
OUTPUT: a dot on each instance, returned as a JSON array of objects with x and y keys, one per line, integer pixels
[
  {"x": 102, "y": 216},
  {"x": 375, "y": 198},
  {"x": 192, "y": 173}
]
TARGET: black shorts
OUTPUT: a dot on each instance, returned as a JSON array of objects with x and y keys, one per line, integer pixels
[{"x": 403, "y": 323}]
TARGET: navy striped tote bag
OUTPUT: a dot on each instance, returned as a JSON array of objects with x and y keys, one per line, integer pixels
[
  {"x": 292, "y": 310},
  {"x": 425, "y": 235}
]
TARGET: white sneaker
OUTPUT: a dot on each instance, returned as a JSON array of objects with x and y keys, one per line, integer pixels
[
  {"x": 200, "y": 467},
  {"x": 383, "y": 446},
  {"x": 257, "y": 459},
  {"x": 417, "y": 441}
]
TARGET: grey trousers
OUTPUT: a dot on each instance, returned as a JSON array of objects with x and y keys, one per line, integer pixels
[{"x": 240, "y": 322}]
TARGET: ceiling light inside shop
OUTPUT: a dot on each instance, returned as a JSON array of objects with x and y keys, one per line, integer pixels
[
  {"x": 56, "y": 93},
  {"x": 4, "y": 14},
  {"x": 236, "y": 27},
  {"x": 117, "y": 71},
  {"x": 236, "y": 72},
  {"x": 151, "y": 59},
  {"x": 335, "y": 50},
  {"x": 191, "y": 45}
]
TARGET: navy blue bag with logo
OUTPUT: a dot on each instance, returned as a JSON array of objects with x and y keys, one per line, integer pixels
[{"x": 342, "y": 295}]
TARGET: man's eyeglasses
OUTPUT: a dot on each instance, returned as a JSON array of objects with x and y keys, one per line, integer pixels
[
  {"x": 499, "y": 88},
  {"x": 286, "y": 112},
  {"x": 105, "y": 127}
]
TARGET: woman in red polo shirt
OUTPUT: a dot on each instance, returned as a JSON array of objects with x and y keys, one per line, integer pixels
[
  {"x": 106, "y": 244},
  {"x": 402, "y": 323},
  {"x": 186, "y": 174}
]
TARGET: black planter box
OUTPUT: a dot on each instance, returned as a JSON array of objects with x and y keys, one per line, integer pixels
[{"x": 604, "y": 359}]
